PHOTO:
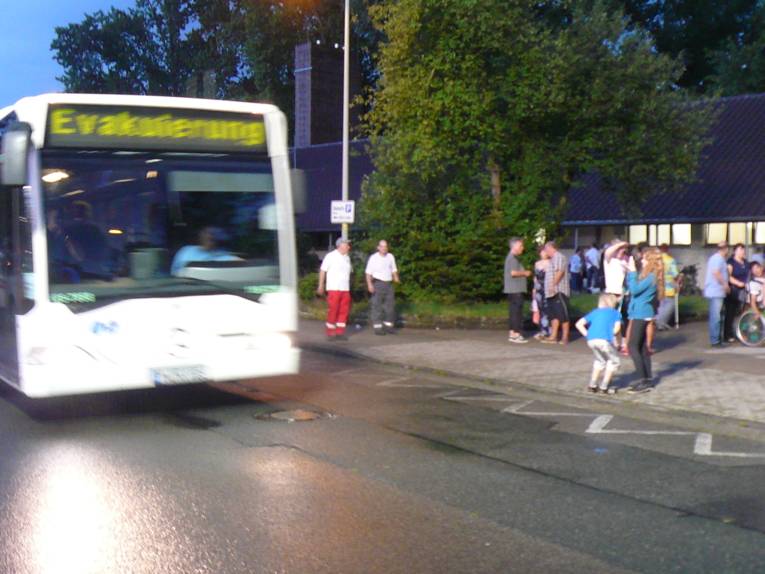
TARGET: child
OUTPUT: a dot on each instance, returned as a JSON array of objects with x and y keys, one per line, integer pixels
[{"x": 599, "y": 326}]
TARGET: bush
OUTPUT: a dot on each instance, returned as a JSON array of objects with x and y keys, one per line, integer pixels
[{"x": 307, "y": 286}]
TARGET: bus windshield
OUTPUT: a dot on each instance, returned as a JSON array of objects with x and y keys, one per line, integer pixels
[{"x": 141, "y": 224}]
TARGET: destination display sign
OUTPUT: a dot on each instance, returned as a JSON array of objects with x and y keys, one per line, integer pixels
[{"x": 139, "y": 128}]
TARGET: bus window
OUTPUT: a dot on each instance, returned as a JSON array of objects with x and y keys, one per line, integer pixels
[{"x": 143, "y": 224}]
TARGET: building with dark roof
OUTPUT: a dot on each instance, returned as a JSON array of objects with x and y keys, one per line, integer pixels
[{"x": 726, "y": 202}]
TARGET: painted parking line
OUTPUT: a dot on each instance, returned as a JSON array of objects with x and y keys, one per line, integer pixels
[
  {"x": 489, "y": 398},
  {"x": 401, "y": 383},
  {"x": 598, "y": 426},
  {"x": 516, "y": 410},
  {"x": 702, "y": 445}
]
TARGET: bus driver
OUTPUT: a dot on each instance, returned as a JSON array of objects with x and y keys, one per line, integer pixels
[{"x": 207, "y": 250}]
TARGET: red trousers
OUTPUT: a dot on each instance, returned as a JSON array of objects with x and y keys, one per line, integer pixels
[{"x": 339, "y": 303}]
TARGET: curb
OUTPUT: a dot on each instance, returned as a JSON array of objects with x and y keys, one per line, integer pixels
[{"x": 738, "y": 428}]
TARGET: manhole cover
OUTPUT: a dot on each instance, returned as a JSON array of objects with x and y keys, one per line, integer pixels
[{"x": 297, "y": 415}]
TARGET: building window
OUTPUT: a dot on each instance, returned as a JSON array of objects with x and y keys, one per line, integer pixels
[
  {"x": 681, "y": 233},
  {"x": 759, "y": 232},
  {"x": 716, "y": 232},
  {"x": 663, "y": 234},
  {"x": 677, "y": 234},
  {"x": 638, "y": 234},
  {"x": 737, "y": 233}
]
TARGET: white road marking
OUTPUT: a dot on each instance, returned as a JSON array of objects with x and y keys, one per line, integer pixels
[
  {"x": 701, "y": 447},
  {"x": 400, "y": 384},
  {"x": 599, "y": 425},
  {"x": 349, "y": 371},
  {"x": 492, "y": 398},
  {"x": 515, "y": 410}
]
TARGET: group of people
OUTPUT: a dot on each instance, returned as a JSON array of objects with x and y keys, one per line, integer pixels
[
  {"x": 585, "y": 269},
  {"x": 732, "y": 284},
  {"x": 335, "y": 281},
  {"x": 550, "y": 295},
  {"x": 637, "y": 287},
  {"x": 637, "y": 297}
]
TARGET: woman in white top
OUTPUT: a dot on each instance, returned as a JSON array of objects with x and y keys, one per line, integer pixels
[
  {"x": 615, "y": 271},
  {"x": 615, "y": 267}
]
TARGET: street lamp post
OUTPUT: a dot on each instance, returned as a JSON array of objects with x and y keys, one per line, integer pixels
[{"x": 346, "y": 106}]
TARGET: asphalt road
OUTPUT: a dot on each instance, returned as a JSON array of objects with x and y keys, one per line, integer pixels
[{"x": 400, "y": 472}]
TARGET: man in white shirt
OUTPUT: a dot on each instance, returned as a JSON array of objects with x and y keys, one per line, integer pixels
[
  {"x": 756, "y": 288},
  {"x": 381, "y": 273},
  {"x": 335, "y": 274},
  {"x": 759, "y": 257},
  {"x": 592, "y": 263}
]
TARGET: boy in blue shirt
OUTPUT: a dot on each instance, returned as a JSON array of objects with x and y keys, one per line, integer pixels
[{"x": 599, "y": 326}]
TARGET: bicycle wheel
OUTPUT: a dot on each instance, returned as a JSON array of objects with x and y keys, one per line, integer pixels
[{"x": 750, "y": 329}]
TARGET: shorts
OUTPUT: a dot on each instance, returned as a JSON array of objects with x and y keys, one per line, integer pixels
[
  {"x": 606, "y": 356},
  {"x": 557, "y": 307}
]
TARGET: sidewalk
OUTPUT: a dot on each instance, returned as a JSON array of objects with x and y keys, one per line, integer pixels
[{"x": 692, "y": 377}]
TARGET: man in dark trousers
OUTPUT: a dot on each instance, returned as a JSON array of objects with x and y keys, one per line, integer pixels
[
  {"x": 515, "y": 288},
  {"x": 381, "y": 272}
]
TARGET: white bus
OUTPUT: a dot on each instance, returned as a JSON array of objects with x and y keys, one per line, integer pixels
[{"x": 144, "y": 241}]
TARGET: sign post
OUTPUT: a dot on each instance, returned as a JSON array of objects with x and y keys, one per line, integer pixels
[{"x": 343, "y": 212}]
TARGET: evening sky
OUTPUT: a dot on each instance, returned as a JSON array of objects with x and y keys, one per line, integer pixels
[{"x": 27, "y": 66}]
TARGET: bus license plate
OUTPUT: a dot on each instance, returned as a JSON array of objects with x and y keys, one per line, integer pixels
[{"x": 178, "y": 375}]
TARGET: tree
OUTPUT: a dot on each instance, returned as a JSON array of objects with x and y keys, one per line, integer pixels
[
  {"x": 244, "y": 48},
  {"x": 137, "y": 51},
  {"x": 275, "y": 27},
  {"x": 488, "y": 113},
  {"x": 740, "y": 63},
  {"x": 693, "y": 30}
]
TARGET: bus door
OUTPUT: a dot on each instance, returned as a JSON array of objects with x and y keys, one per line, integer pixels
[
  {"x": 15, "y": 242},
  {"x": 8, "y": 280}
]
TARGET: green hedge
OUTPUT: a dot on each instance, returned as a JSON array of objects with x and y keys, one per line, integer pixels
[{"x": 472, "y": 315}]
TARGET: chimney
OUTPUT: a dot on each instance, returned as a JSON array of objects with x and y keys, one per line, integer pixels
[{"x": 319, "y": 93}]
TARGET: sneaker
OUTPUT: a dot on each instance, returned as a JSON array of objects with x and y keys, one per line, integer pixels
[
  {"x": 592, "y": 388},
  {"x": 641, "y": 387},
  {"x": 517, "y": 339},
  {"x": 608, "y": 390}
]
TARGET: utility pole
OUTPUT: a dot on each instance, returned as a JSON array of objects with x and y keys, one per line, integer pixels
[{"x": 346, "y": 105}]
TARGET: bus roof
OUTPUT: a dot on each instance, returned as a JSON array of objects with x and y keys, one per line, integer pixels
[{"x": 34, "y": 111}]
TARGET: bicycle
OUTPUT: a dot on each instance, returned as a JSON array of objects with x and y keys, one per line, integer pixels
[{"x": 750, "y": 329}]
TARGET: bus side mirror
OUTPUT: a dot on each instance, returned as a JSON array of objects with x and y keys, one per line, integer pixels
[
  {"x": 15, "y": 149},
  {"x": 299, "y": 196}
]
